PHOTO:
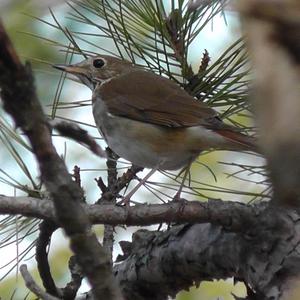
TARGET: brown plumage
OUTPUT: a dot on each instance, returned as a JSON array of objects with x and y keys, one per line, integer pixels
[
  {"x": 147, "y": 97},
  {"x": 149, "y": 119}
]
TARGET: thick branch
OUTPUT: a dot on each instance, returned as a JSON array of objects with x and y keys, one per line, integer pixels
[
  {"x": 233, "y": 215},
  {"x": 163, "y": 263}
]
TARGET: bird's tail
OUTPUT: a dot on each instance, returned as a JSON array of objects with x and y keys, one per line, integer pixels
[{"x": 239, "y": 141}]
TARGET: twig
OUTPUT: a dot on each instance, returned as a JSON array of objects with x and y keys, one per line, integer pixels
[
  {"x": 75, "y": 132},
  {"x": 196, "y": 79},
  {"x": 112, "y": 177},
  {"x": 177, "y": 42},
  {"x": 69, "y": 292},
  {"x": 76, "y": 175},
  {"x": 32, "y": 286},
  {"x": 46, "y": 228},
  {"x": 204, "y": 62},
  {"x": 101, "y": 185},
  {"x": 122, "y": 182}
]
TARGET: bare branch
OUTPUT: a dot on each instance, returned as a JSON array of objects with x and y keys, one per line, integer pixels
[
  {"x": 32, "y": 286},
  {"x": 46, "y": 228},
  {"x": 75, "y": 132},
  {"x": 112, "y": 177},
  {"x": 233, "y": 215}
]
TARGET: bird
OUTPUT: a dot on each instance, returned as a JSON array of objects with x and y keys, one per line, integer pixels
[{"x": 149, "y": 119}]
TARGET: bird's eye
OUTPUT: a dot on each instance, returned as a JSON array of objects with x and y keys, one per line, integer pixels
[{"x": 98, "y": 63}]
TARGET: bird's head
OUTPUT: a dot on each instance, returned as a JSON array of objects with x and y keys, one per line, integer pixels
[{"x": 97, "y": 69}]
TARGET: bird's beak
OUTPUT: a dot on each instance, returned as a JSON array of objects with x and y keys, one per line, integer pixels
[
  {"x": 79, "y": 71},
  {"x": 72, "y": 69},
  {"x": 60, "y": 67}
]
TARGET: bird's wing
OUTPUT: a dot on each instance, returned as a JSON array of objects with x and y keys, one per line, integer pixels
[{"x": 147, "y": 97}]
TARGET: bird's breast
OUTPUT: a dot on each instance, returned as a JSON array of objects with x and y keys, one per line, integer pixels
[{"x": 149, "y": 145}]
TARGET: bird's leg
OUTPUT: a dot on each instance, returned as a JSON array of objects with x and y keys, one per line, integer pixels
[
  {"x": 186, "y": 171},
  {"x": 126, "y": 199}
]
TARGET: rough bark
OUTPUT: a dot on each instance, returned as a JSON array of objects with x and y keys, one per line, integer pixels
[{"x": 264, "y": 256}]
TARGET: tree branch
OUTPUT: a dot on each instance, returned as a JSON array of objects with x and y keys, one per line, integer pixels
[
  {"x": 32, "y": 286},
  {"x": 233, "y": 215},
  {"x": 21, "y": 102},
  {"x": 112, "y": 177},
  {"x": 46, "y": 228},
  {"x": 161, "y": 264}
]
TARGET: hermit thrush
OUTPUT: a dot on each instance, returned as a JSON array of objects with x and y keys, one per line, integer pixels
[{"x": 150, "y": 120}]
